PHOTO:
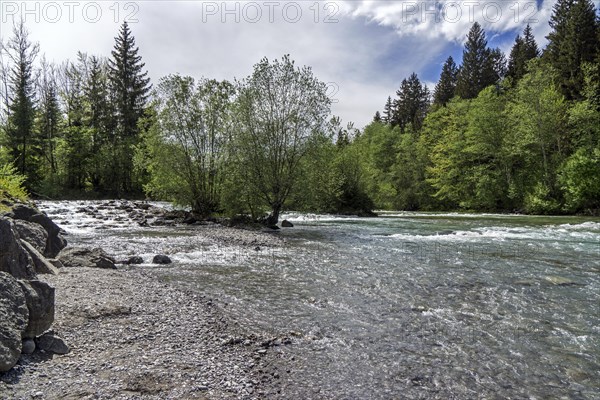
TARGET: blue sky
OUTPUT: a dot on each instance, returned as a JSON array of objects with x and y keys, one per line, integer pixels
[{"x": 362, "y": 49}]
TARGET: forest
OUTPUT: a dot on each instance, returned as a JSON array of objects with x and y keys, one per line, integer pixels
[{"x": 517, "y": 133}]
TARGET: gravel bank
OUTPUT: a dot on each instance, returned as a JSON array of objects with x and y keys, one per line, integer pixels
[{"x": 132, "y": 336}]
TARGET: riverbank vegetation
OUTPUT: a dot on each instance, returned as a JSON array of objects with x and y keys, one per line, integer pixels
[{"x": 518, "y": 133}]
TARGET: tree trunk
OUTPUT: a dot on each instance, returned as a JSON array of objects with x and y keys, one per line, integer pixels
[{"x": 273, "y": 218}]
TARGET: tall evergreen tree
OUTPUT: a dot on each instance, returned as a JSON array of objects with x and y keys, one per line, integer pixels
[
  {"x": 481, "y": 66},
  {"x": 50, "y": 114},
  {"x": 377, "y": 117},
  {"x": 412, "y": 104},
  {"x": 99, "y": 119},
  {"x": 524, "y": 49},
  {"x": 445, "y": 88},
  {"x": 22, "y": 141},
  {"x": 130, "y": 88},
  {"x": 572, "y": 42},
  {"x": 388, "y": 111}
]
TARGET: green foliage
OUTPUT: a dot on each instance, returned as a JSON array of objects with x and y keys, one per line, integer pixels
[
  {"x": 278, "y": 111},
  {"x": 11, "y": 184},
  {"x": 579, "y": 177},
  {"x": 185, "y": 147}
]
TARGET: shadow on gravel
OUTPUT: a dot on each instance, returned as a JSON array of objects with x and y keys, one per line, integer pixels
[{"x": 14, "y": 375}]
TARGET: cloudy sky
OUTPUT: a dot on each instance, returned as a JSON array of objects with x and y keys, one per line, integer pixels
[{"x": 362, "y": 49}]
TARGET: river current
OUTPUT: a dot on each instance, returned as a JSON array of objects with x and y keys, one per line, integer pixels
[{"x": 406, "y": 305}]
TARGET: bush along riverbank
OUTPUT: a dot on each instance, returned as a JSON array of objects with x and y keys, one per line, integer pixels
[{"x": 77, "y": 324}]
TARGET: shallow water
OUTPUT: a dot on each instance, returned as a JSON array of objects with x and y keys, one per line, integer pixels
[{"x": 407, "y": 305}]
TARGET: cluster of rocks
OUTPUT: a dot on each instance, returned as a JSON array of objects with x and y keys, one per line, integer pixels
[
  {"x": 29, "y": 243},
  {"x": 141, "y": 213}
]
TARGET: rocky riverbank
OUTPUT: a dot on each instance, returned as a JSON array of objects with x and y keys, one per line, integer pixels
[
  {"x": 124, "y": 332},
  {"x": 132, "y": 336}
]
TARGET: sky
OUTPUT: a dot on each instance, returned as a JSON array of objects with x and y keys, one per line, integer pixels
[{"x": 361, "y": 49}]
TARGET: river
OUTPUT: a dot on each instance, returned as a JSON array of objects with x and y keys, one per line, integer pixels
[{"x": 406, "y": 305}]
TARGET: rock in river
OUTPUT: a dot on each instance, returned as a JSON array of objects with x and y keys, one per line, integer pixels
[
  {"x": 161, "y": 259},
  {"x": 87, "y": 258}
]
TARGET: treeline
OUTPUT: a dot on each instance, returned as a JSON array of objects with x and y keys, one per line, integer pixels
[
  {"x": 497, "y": 134},
  {"x": 70, "y": 128},
  {"x": 521, "y": 134},
  {"x": 96, "y": 128}
]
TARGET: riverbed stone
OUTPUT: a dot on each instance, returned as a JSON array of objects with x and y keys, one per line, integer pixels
[
  {"x": 161, "y": 259},
  {"x": 88, "y": 258},
  {"x": 28, "y": 346},
  {"x": 51, "y": 343},
  {"x": 286, "y": 224},
  {"x": 14, "y": 316},
  {"x": 39, "y": 297}
]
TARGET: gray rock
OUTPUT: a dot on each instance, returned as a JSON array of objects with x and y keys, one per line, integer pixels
[
  {"x": 135, "y": 260},
  {"x": 33, "y": 233},
  {"x": 55, "y": 242},
  {"x": 14, "y": 259},
  {"x": 23, "y": 212},
  {"x": 39, "y": 297},
  {"x": 286, "y": 224},
  {"x": 51, "y": 343},
  {"x": 42, "y": 266},
  {"x": 13, "y": 320},
  {"x": 57, "y": 263},
  {"x": 88, "y": 258},
  {"x": 54, "y": 245},
  {"x": 161, "y": 259},
  {"x": 46, "y": 222},
  {"x": 28, "y": 346}
]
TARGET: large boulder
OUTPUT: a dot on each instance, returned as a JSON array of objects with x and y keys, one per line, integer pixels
[
  {"x": 14, "y": 259},
  {"x": 87, "y": 258},
  {"x": 41, "y": 264},
  {"x": 39, "y": 297},
  {"x": 23, "y": 212},
  {"x": 33, "y": 233},
  {"x": 14, "y": 317},
  {"x": 55, "y": 242}
]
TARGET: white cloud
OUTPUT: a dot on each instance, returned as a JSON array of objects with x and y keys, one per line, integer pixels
[{"x": 365, "y": 48}]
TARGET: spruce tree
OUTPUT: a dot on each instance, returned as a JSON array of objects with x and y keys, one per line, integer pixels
[
  {"x": 445, "y": 88},
  {"x": 388, "y": 111},
  {"x": 377, "y": 117},
  {"x": 481, "y": 66},
  {"x": 130, "y": 89},
  {"x": 572, "y": 42},
  {"x": 50, "y": 114},
  {"x": 24, "y": 146},
  {"x": 524, "y": 50},
  {"x": 412, "y": 104},
  {"x": 99, "y": 120}
]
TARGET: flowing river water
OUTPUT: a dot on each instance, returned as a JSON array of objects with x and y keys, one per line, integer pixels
[{"x": 406, "y": 305}]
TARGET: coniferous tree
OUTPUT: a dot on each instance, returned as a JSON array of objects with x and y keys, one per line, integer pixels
[
  {"x": 388, "y": 111},
  {"x": 524, "y": 49},
  {"x": 130, "y": 89},
  {"x": 445, "y": 88},
  {"x": 481, "y": 66},
  {"x": 572, "y": 42},
  {"x": 50, "y": 114},
  {"x": 377, "y": 117},
  {"x": 412, "y": 104},
  {"x": 99, "y": 120},
  {"x": 24, "y": 146}
]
